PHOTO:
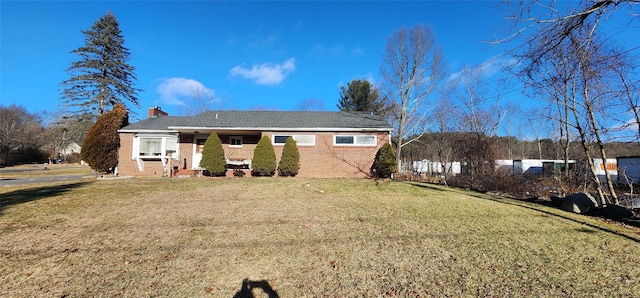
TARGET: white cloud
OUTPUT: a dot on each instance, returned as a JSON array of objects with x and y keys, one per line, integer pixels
[
  {"x": 486, "y": 69},
  {"x": 266, "y": 73},
  {"x": 173, "y": 91}
]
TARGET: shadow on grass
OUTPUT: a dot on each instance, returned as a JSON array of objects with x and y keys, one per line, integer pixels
[
  {"x": 529, "y": 204},
  {"x": 248, "y": 285},
  {"x": 559, "y": 215},
  {"x": 427, "y": 186},
  {"x": 32, "y": 194}
]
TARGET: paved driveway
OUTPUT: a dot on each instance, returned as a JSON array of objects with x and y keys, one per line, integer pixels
[
  {"x": 13, "y": 181},
  {"x": 42, "y": 179}
]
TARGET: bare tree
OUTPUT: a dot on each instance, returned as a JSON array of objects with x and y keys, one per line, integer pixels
[
  {"x": 202, "y": 100},
  {"x": 311, "y": 104},
  {"x": 412, "y": 66},
  {"x": 552, "y": 25},
  {"x": 572, "y": 36},
  {"x": 64, "y": 128},
  {"x": 629, "y": 91},
  {"x": 446, "y": 125},
  {"x": 478, "y": 106},
  {"x": 21, "y": 135},
  {"x": 576, "y": 77}
]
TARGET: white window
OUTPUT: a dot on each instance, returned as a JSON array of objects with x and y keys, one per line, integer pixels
[
  {"x": 155, "y": 146},
  {"x": 235, "y": 141},
  {"x": 354, "y": 140},
  {"x": 301, "y": 140},
  {"x": 150, "y": 146}
]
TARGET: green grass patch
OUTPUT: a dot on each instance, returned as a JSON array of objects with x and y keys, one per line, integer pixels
[{"x": 303, "y": 238}]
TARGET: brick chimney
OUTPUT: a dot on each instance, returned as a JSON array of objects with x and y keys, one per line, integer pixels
[{"x": 155, "y": 111}]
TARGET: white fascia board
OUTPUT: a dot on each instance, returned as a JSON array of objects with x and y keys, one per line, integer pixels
[
  {"x": 301, "y": 129},
  {"x": 148, "y": 131}
]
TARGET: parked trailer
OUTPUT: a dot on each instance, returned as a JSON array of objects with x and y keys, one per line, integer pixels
[
  {"x": 628, "y": 169},
  {"x": 435, "y": 167},
  {"x": 612, "y": 169},
  {"x": 539, "y": 166}
]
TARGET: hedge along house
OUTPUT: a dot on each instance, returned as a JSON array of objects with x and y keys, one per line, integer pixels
[{"x": 331, "y": 144}]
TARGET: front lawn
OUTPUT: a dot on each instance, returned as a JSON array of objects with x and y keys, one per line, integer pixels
[{"x": 301, "y": 238}]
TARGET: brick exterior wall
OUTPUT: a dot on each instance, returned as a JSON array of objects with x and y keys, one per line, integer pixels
[{"x": 323, "y": 160}]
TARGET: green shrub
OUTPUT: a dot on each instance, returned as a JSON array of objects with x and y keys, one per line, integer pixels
[
  {"x": 264, "y": 158},
  {"x": 213, "y": 156},
  {"x": 100, "y": 146},
  {"x": 290, "y": 159},
  {"x": 385, "y": 163}
]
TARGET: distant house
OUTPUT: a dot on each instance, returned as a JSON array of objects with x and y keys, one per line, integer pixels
[
  {"x": 331, "y": 144},
  {"x": 70, "y": 149}
]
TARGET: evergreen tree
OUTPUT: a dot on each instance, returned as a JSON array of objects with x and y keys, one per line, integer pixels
[
  {"x": 102, "y": 77},
  {"x": 290, "y": 159},
  {"x": 264, "y": 158},
  {"x": 360, "y": 95},
  {"x": 100, "y": 146},
  {"x": 213, "y": 156},
  {"x": 385, "y": 162}
]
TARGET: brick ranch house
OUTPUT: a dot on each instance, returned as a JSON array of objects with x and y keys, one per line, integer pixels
[{"x": 331, "y": 144}]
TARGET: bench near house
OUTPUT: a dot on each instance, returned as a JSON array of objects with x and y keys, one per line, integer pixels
[{"x": 331, "y": 144}]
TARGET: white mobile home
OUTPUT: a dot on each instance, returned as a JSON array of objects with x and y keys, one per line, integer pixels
[
  {"x": 539, "y": 166},
  {"x": 612, "y": 168},
  {"x": 435, "y": 167},
  {"x": 628, "y": 168}
]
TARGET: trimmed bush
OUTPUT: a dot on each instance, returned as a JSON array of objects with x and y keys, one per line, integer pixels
[
  {"x": 290, "y": 159},
  {"x": 213, "y": 156},
  {"x": 100, "y": 146},
  {"x": 264, "y": 158},
  {"x": 385, "y": 163}
]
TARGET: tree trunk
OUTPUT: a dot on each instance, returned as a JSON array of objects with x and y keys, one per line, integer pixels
[{"x": 596, "y": 132}]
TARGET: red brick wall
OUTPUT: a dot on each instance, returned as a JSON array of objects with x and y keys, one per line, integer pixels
[
  {"x": 128, "y": 166},
  {"x": 324, "y": 160}
]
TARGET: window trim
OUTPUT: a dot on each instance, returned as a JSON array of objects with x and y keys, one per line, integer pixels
[
  {"x": 135, "y": 150},
  {"x": 313, "y": 136},
  {"x": 355, "y": 140},
  {"x": 235, "y": 138}
]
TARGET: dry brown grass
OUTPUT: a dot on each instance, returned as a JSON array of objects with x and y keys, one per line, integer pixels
[{"x": 304, "y": 237}]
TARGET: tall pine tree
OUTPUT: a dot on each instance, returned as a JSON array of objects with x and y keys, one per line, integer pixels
[
  {"x": 361, "y": 95},
  {"x": 101, "y": 78}
]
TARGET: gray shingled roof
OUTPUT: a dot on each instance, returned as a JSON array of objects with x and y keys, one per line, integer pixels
[{"x": 257, "y": 120}]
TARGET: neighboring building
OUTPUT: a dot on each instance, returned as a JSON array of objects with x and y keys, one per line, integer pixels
[
  {"x": 612, "y": 168},
  {"x": 427, "y": 167},
  {"x": 70, "y": 149},
  {"x": 628, "y": 169},
  {"x": 504, "y": 165},
  {"x": 331, "y": 144},
  {"x": 545, "y": 167}
]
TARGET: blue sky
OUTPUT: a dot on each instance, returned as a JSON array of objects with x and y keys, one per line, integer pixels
[{"x": 248, "y": 55}]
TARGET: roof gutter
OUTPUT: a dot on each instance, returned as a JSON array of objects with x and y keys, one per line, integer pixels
[
  {"x": 148, "y": 131},
  {"x": 321, "y": 129}
]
